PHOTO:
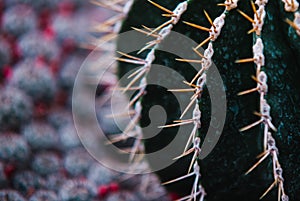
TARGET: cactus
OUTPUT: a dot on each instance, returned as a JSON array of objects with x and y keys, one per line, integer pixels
[
  {"x": 272, "y": 51},
  {"x": 77, "y": 189},
  {"x": 43, "y": 195}
]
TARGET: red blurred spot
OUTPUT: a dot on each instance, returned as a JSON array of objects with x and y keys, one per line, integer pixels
[
  {"x": 68, "y": 46},
  {"x": 113, "y": 187},
  {"x": 30, "y": 192},
  {"x": 174, "y": 196},
  {"x": 103, "y": 191},
  {"x": 40, "y": 62},
  {"x": 9, "y": 170},
  {"x": 61, "y": 98},
  {"x": 64, "y": 172},
  {"x": 7, "y": 72},
  {"x": 66, "y": 8},
  {"x": 44, "y": 19},
  {"x": 41, "y": 110},
  {"x": 49, "y": 33},
  {"x": 54, "y": 66},
  {"x": 16, "y": 52},
  {"x": 1, "y": 11}
]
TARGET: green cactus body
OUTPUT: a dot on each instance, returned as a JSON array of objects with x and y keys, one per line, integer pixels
[{"x": 223, "y": 170}]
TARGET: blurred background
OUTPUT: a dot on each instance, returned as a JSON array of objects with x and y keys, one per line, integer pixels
[{"x": 42, "y": 46}]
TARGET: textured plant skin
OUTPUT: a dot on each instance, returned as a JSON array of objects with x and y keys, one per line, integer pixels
[{"x": 223, "y": 170}]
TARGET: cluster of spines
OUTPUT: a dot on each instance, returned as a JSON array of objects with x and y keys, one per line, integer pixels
[
  {"x": 293, "y": 6},
  {"x": 269, "y": 144},
  {"x": 133, "y": 130},
  {"x": 159, "y": 34},
  {"x": 200, "y": 79},
  {"x": 112, "y": 26}
]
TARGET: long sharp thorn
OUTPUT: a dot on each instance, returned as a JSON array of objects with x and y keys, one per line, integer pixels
[
  {"x": 194, "y": 192},
  {"x": 102, "y": 28},
  {"x": 192, "y": 135},
  {"x": 106, "y": 37},
  {"x": 189, "y": 60},
  {"x": 255, "y": 79},
  {"x": 192, "y": 162},
  {"x": 135, "y": 72},
  {"x": 188, "y": 107},
  {"x": 270, "y": 124},
  {"x": 221, "y": 4},
  {"x": 266, "y": 137},
  {"x": 196, "y": 95},
  {"x": 257, "y": 163},
  {"x": 184, "y": 154},
  {"x": 251, "y": 31},
  {"x": 184, "y": 120},
  {"x": 113, "y": 20},
  {"x": 160, "y": 27},
  {"x": 254, "y": 9},
  {"x": 292, "y": 24},
  {"x": 246, "y": 16},
  {"x": 88, "y": 46},
  {"x": 261, "y": 154},
  {"x": 204, "y": 42},
  {"x": 197, "y": 75},
  {"x": 187, "y": 198},
  {"x": 130, "y": 126},
  {"x": 147, "y": 46},
  {"x": 209, "y": 19},
  {"x": 198, "y": 53},
  {"x": 130, "y": 57},
  {"x": 279, "y": 193},
  {"x": 268, "y": 190},
  {"x": 251, "y": 125},
  {"x": 197, "y": 26},
  {"x": 174, "y": 125},
  {"x": 118, "y": 1},
  {"x": 257, "y": 114},
  {"x": 245, "y": 60},
  {"x": 202, "y": 197},
  {"x": 145, "y": 32},
  {"x": 160, "y": 7},
  {"x": 190, "y": 84},
  {"x": 130, "y": 61},
  {"x": 149, "y": 29},
  {"x": 119, "y": 138},
  {"x": 108, "y": 6},
  {"x": 132, "y": 112},
  {"x": 134, "y": 150},
  {"x": 136, "y": 97},
  {"x": 247, "y": 91},
  {"x": 139, "y": 75},
  {"x": 177, "y": 179},
  {"x": 169, "y": 15},
  {"x": 181, "y": 90}
]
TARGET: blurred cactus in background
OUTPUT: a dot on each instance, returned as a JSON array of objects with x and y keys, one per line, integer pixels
[{"x": 41, "y": 155}]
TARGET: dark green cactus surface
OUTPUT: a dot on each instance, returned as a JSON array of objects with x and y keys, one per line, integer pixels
[{"x": 223, "y": 170}]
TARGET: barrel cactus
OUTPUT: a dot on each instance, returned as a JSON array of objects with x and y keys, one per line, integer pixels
[{"x": 258, "y": 40}]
